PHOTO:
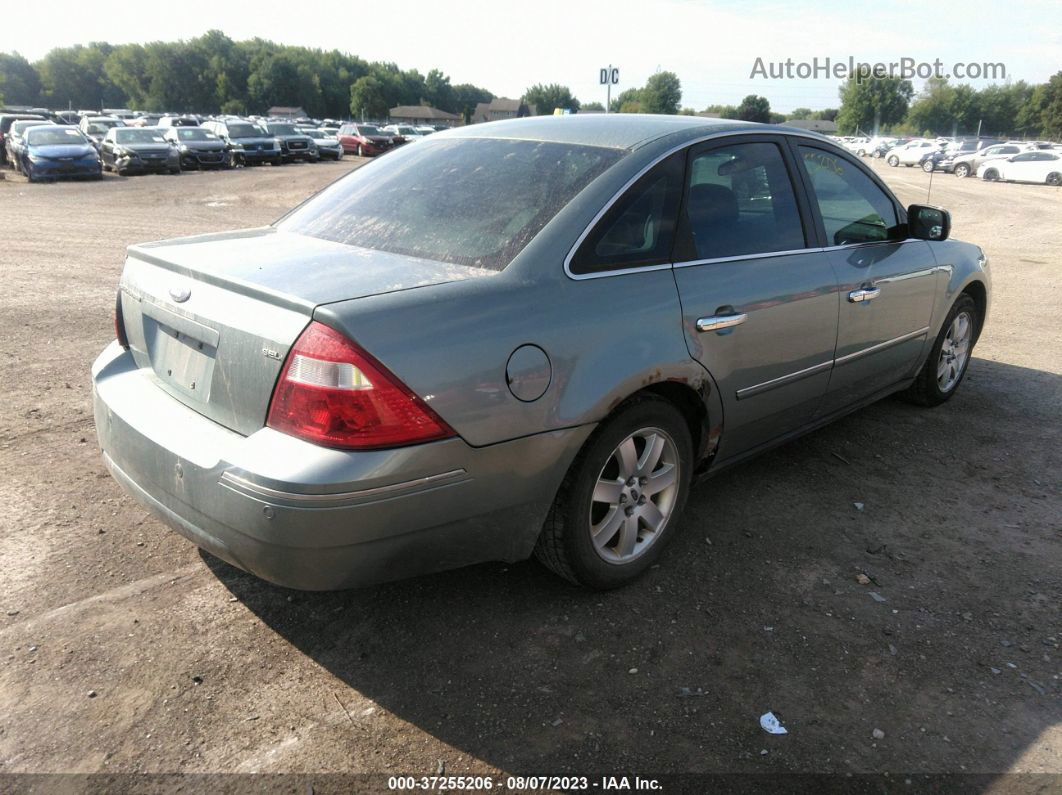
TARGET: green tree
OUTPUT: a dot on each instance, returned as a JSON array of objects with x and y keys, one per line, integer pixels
[
  {"x": 662, "y": 93},
  {"x": 22, "y": 85},
  {"x": 438, "y": 92},
  {"x": 874, "y": 99},
  {"x": 546, "y": 98},
  {"x": 800, "y": 114},
  {"x": 592, "y": 106},
  {"x": 368, "y": 98},
  {"x": 723, "y": 111},
  {"x": 1041, "y": 114},
  {"x": 754, "y": 108},
  {"x": 629, "y": 101}
]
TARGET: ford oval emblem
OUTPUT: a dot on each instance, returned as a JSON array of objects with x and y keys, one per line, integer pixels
[{"x": 180, "y": 294}]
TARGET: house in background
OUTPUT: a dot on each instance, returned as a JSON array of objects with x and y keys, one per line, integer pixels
[
  {"x": 287, "y": 113},
  {"x": 814, "y": 125},
  {"x": 502, "y": 108},
  {"x": 423, "y": 114}
]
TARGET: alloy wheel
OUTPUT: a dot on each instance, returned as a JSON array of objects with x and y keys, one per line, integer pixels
[
  {"x": 634, "y": 495},
  {"x": 954, "y": 352}
]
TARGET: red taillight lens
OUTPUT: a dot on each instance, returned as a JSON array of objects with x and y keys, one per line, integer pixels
[
  {"x": 333, "y": 393},
  {"x": 119, "y": 322}
]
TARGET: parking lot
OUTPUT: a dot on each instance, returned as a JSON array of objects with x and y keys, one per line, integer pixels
[{"x": 124, "y": 649}]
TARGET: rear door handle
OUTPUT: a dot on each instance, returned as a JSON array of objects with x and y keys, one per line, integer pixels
[
  {"x": 720, "y": 322},
  {"x": 860, "y": 295}
]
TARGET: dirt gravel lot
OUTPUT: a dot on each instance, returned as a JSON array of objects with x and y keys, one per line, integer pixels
[{"x": 125, "y": 650}]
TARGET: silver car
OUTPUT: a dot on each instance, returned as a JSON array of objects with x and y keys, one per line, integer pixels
[{"x": 525, "y": 337}]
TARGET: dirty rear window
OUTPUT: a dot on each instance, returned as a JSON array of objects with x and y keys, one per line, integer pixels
[{"x": 474, "y": 202}]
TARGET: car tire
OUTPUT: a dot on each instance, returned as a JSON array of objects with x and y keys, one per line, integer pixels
[
  {"x": 1054, "y": 178},
  {"x": 949, "y": 357},
  {"x": 862, "y": 153},
  {"x": 174, "y": 172},
  {"x": 277, "y": 161},
  {"x": 567, "y": 545},
  {"x": 962, "y": 171},
  {"x": 991, "y": 175},
  {"x": 893, "y": 161},
  {"x": 928, "y": 166}
]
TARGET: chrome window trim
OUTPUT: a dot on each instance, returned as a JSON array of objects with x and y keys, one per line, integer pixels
[
  {"x": 616, "y": 196},
  {"x": 851, "y": 357},
  {"x": 242, "y": 484},
  {"x": 763, "y": 255}
]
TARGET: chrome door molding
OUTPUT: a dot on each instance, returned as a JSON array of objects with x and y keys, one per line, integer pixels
[
  {"x": 767, "y": 386},
  {"x": 851, "y": 357}
]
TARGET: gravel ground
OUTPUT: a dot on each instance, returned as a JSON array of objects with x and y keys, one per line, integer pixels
[{"x": 125, "y": 650}]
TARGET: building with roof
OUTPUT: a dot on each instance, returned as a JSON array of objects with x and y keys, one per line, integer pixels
[
  {"x": 814, "y": 125},
  {"x": 423, "y": 114},
  {"x": 502, "y": 108}
]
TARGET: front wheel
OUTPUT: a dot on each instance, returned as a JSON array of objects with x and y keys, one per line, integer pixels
[
  {"x": 893, "y": 161},
  {"x": 617, "y": 507},
  {"x": 962, "y": 171},
  {"x": 1054, "y": 178},
  {"x": 949, "y": 357},
  {"x": 928, "y": 166},
  {"x": 991, "y": 175}
]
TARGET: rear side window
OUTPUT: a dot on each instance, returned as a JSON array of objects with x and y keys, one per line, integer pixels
[
  {"x": 853, "y": 208},
  {"x": 639, "y": 229},
  {"x": 467, "y": 201},
  {"x": 740, "y": 201}
]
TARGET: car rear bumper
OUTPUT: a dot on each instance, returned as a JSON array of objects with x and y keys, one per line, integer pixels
[{"x": 314, "y": 518}]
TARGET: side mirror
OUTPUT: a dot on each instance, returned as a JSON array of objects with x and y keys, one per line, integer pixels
[{"x": 928, "y": 223}]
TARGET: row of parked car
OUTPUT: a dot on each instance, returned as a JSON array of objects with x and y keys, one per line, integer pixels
[
  {"x": 48, "y": 145},
  {"x": 988, "y": 158}
]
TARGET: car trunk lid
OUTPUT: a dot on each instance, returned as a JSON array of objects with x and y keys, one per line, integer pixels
[{"x": 211, "y": 318}]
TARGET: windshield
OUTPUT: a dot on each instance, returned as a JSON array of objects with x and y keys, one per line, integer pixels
[
  {"x": 281, "y": 129},
  {"x": 473, "y": 202},
  {"x": 244, "y": 131},
  {"x": 312, "y": 132},
  {"x": 135, "y": 135},
  {"x": 195, "y": 134},
  {"x": 407, "y": 131},
  {"x": 367, "y": 129},
  {"x": 53, "y": 135}
]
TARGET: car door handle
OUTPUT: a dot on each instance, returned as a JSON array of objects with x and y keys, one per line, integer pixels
[
  {"x": 862, "y": 294},
  {"x": 720, "y": 322}
]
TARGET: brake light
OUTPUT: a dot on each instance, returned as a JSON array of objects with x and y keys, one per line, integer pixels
[
  {"x": 119, "y": 322},
  {"x": 333, "y": 393}
]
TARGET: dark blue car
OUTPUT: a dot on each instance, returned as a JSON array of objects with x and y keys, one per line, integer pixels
[{"x": 53, "y": 151}]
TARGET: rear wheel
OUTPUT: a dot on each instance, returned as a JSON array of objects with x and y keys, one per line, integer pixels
[
  {"x": 962, "y": 170},
  {"x": 617, "y": 507},
  {"x": 949, "y": 357},
  {"x": 928, "y": 165},
  {"x": 1054, "y": 178}
]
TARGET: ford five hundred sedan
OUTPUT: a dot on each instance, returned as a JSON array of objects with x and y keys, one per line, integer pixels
[{"x": 525, "y": 337}]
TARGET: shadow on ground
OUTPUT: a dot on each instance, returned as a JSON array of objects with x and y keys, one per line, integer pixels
[{"x": 950, "y": 650}]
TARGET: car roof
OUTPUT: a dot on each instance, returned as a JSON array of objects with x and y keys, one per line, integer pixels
[{"x": 614, "y": 130}]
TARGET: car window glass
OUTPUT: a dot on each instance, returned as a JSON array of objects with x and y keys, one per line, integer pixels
[
  {"x": 639, "y": 229},
  {"x": 474, "y": 202},
  {"x": 740, "y": 201},
  {"x": 853, "y": 208},
  {"x": 1022, "y": 157}
]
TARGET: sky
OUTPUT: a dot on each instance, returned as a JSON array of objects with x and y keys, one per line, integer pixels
[{"x": 508, "y": 45}]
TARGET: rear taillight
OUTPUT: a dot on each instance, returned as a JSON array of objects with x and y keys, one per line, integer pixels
[
  {"x": 333, "y": 393},
  {"x": 119, "y": 322}
]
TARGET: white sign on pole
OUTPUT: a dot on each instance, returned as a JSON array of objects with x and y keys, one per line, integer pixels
[{"x": 608, "y": 77}]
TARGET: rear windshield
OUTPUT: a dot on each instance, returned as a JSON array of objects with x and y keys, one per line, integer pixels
[
  {"x": 474, "y": 202},
  {"x": 365, "y": 129}
]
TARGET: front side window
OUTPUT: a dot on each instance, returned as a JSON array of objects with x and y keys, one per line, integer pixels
[
  {"x": 639, "y": 229},
  {"x": 853, "y": 208},
  {"x": 467, "y": 201},
  {"x": 740, "y": 201}
]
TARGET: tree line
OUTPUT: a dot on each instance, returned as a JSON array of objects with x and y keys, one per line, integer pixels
[{"x": 214, "y": 74}]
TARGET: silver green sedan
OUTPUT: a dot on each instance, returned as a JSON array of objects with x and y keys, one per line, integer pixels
[{"x": 521, "y": 338}]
